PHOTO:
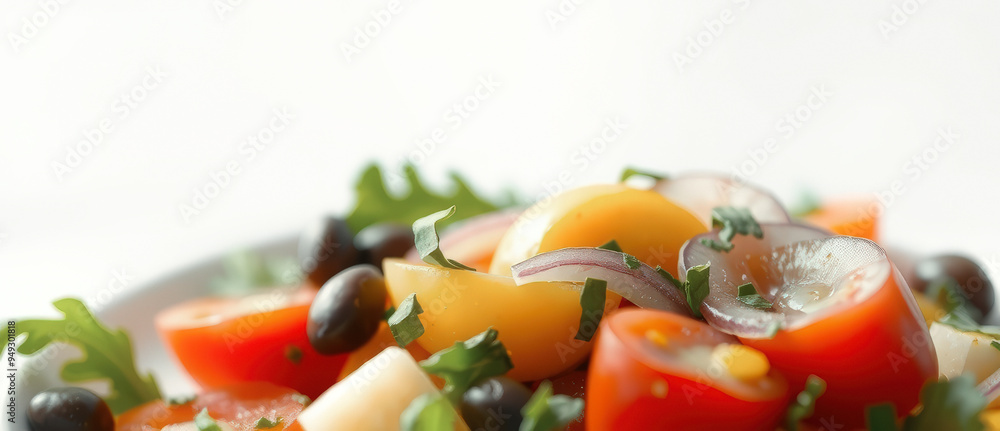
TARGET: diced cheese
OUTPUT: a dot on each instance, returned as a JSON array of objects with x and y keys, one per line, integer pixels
[
  {"x": 373, "y": 397},
  {"x": 961, "y": 352}
]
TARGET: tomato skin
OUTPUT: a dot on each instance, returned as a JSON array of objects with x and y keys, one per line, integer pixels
[
  {"x": 621, "y": 382},
  {"x": 234, "y": 347},
  {"x": 241, "y": 405},
  {"x": 877, "y": 351},
  {"x": 852, "y": 217}
]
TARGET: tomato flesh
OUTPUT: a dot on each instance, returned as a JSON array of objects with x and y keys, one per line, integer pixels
[
  {"x": 633, "y": 385},
  {"x": 240, "y": 405},
  {"x": 261, "y": 337}
]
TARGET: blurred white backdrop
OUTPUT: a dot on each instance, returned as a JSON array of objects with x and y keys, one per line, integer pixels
[{"x": 838, "y": 98}]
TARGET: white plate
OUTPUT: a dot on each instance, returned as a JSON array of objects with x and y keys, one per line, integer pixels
[{"x": 133, "y": 311}]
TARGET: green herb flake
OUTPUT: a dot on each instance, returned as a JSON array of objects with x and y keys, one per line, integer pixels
[
  {"x": 427, "y": 243},
  {"x": 803, "y": 405},
  {"x": 592, "y": 298},
  {"x": 881, "y": 417},
  {"x": 265, "y": 423},
  {"x": 960, "y": 319},
  {"x": 995, "y": 344},
  {"x": 948, "y": 294},
  {"x": 107, "y": 355},
  {"x": 809, "y": 202},
  {"x": 611, "y": 245},
  {"x": 695, "y": 287},
  {"x": 748, "y": 295},
  {"x": 204, "y": 422},
  {"x": 546, "y": 412},
  {"x": 772, "y": 329},
  {"x": 375, "y": 204},
  {"x": 293, "y": 353},
  {"x": 180, "y": 401},
  {"x": 428, "y": 412},
  {"x": 388, "y": 313},
  {"x": 952, "y": 405},
  {"x": 630, "y": 172},
  {"x": 733, "y": 221},
  {"x": 404, "y": 323},
  {"x": 467, "y": 363},
  {"x": 631, "y": 262},
  {"x": 245, "y": 271}
]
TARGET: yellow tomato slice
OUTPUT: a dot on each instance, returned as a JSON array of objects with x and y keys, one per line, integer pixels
[
  {"x": 645, "y": 224},
  {"x": 537, "y": 322}
]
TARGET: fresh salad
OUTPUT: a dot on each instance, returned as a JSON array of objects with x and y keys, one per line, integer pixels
[{"x": 689, "y": 302}]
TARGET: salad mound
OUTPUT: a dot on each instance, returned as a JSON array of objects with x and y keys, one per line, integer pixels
[{"x": 685, "y": 303}]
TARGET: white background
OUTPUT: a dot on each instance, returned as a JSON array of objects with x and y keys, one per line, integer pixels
[{"x": 561, "y": 77}]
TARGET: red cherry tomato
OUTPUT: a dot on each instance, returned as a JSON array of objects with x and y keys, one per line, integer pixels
[
  {"x": 260, "y": 337},
  {"x": 653, "y": 370},
  {"x": 240, "y": 406},
  {"x": 874, "y": 352}
]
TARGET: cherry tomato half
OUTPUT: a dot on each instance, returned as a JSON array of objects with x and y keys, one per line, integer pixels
[
  {"x": 260, "y": 337},
  {"x": 656, "y": 370},
  {"x": 240, "y": 406}
]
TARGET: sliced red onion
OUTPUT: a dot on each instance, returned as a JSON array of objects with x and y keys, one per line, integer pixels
[
  {"x": 990, "y": 388},
  {"x": 700, "y": 192},
  {"x": 802, "y": 270},
  {"x": 473, "y": 239},
  {"x": 642, "y": 286}
]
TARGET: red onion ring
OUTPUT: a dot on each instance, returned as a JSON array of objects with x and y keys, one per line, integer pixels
[
  {"x": 699, "y": 193},
  {"x": 642, "y": 286},
  {"x": 473, "y": 239}
]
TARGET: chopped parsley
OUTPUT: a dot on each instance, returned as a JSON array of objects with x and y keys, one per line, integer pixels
[
  {"x": 952, "y": 405},
  {"x": 107, "y": 355},
  {"x": 467, "y": 363},
  {"x": 592, "y": 298},
  {"x": 805, "y": 402},
  {"x": 427, "y": 243},
  {"x": 881, "y": 417},
  {"x": 204, "y": 422},
  {"x": 293, "y": 353},
  {"x": 995, "y": 344},
  {"x": 630, "y": 172},
  {"x": 265, "y": 423},
  {"x": 611, "y": 245},
  {"x": 748, "y": 295},
  {"x": 695, "y": 287},
  {"x": 546, "y": 412},
  {"x": 428, "y": 412},
  {"x": 733, "y": 221},
  {"x": 404, "y": 323},
  {"x": 631, "y": 262},
  {"x": 375, "y": 204},
  {"x": 181, "y": 400}
]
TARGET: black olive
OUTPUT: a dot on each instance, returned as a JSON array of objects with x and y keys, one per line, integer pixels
[
  {"x": 495, "y": 404},
  {"x": 347, "y": 310},
  {"x": 382, "y": 240},
  {"x": 69, "y": 409},
  {"x": 326, "y": 248},
  {"x": 969, "y": 278}
]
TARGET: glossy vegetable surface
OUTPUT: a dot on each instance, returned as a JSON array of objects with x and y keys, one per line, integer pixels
[{"x": 260, "y": 337}]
